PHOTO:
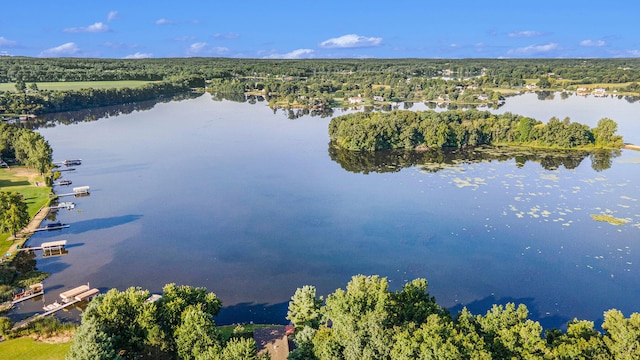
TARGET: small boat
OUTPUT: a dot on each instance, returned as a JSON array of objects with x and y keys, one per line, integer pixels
[
  {"x": 72, "y": 162},
  {"x": 50, "y": 307},
  {"x": 55, "y": 226},
  {"x": 63, "y": 183}
]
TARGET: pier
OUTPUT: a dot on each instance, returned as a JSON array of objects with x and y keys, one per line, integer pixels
[
  {"x": 62, "y": 183},
  {"x": 63, "y": 205},
  {"x": 69, "y": 162},
  {"x": 68, "y": 298},
  {"x": 51, "y": 248},
  {"x": 33, "y": 291},
  {"x": 51, "y": 227},
  {"x": 79, "y": 191}
]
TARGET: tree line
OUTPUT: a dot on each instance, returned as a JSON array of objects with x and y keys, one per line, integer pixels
[
  {"x": 401, "y": 129},
  {"x": 368, "y": 321},
  {"x": 50, "y": 101},
  {"x": 322, "y": 83}
]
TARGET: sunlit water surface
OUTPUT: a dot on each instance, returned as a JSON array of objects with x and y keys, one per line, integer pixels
[{"x": 249, "y": 204}]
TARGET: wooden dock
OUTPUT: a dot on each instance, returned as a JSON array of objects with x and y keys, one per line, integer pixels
[
  {"x": 50, "y": 249},
  {"x": 63, "y": 205},
  {"x": 33, "y": 291},
  {"x": 632, "y": 147},
  {"x": 68, "y": 298}
]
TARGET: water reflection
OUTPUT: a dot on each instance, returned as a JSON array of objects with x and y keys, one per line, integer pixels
[
  {"x": 435, "y": 160},
  {"x": 94, "y": 114}
]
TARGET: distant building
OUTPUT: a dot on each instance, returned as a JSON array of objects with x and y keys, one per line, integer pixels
[
  {"x": 378, "y": 98},
  {"x": 483, "y": 97},
  {"x": 355, "y": 100}
]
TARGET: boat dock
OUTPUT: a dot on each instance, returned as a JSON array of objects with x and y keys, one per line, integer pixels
[
  {"x": 62, "y": 183},
  {"x": 51, "y": 227},
  {"x": 69, "y": 162},
  {"x": 33, "y": 291},
  {"x": 79, "y": 191},
  {"x": 68, "y": 298},
  {"x": 50, "y": 248},
  {"x": 63, "y": 205}
]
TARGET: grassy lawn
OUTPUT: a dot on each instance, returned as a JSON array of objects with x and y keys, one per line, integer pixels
[
  {"x": 75, "y": 85},
  {"x": 28, "y": 348},
  {"x": 227, "y": 330},
  {"x": 21, "y": 180}
]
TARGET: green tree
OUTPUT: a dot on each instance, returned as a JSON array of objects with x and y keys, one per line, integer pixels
[
  {"x": 195, "y": 334},
  {"x": 33, "y": 87},
  {"x": 622, "y": 336},
  {"x": 90, "y": 342},
  {"x": 240, "y": 349},
  {"x": 117, "y": 314},
  {"x": 414, "y": 304},
  {"x": 304, "y": 344},
  {"x": 5, "y": 325},
  {"x": 304, "y": 308},
  {"x": 360, "y": 318},
  {"x": 605, "y": 134},
  {"x": 14, "y": 214},
  {"x": 581, "y": 341},
  {"x": 21, "y": 87},
  {"x": 510, "y": 334},
  {"x": 175, "y": 300}
]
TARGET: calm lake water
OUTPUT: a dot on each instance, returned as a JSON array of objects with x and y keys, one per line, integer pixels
[{"x": 252, "y": 205}]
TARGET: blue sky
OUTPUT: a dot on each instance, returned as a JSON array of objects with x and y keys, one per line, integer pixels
[{"x": 321, "y": 29}]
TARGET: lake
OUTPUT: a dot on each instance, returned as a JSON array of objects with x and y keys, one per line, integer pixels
[{"x": 252, "y": 205}]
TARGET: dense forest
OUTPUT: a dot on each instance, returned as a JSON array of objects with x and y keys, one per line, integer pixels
[
  {"x": 403, "y": 129},
  {"x": 315, "y": 83}
]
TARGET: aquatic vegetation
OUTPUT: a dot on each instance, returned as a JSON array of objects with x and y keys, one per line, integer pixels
[{"x": 609, "y": 219}]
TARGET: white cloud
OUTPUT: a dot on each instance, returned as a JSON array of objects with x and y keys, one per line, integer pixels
[
  {"x": 526, "y": 33},
  {"x": 164, "y": 21},
  {"x": 67, "y": 49},
  {"x": 139, "y": 55},
  {"x": 589, "y": 42},
  {"x": 295, "y": 54},
  {"x": 533, "y": 49},
  {"x": 6, "y": 42},
  {"x": 96, "y": 27},
  {"x": 196, "y": 48},
  {"x": 226, "y": 36},
  {"x": 351, "y": 41},
  {"x": 634, "y": 53},
  {"x": 112, "y": 15},
  {"x": 202, "y": 48}
]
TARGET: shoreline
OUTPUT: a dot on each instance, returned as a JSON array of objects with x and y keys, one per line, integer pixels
[{"x": 25, "y": 233}]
